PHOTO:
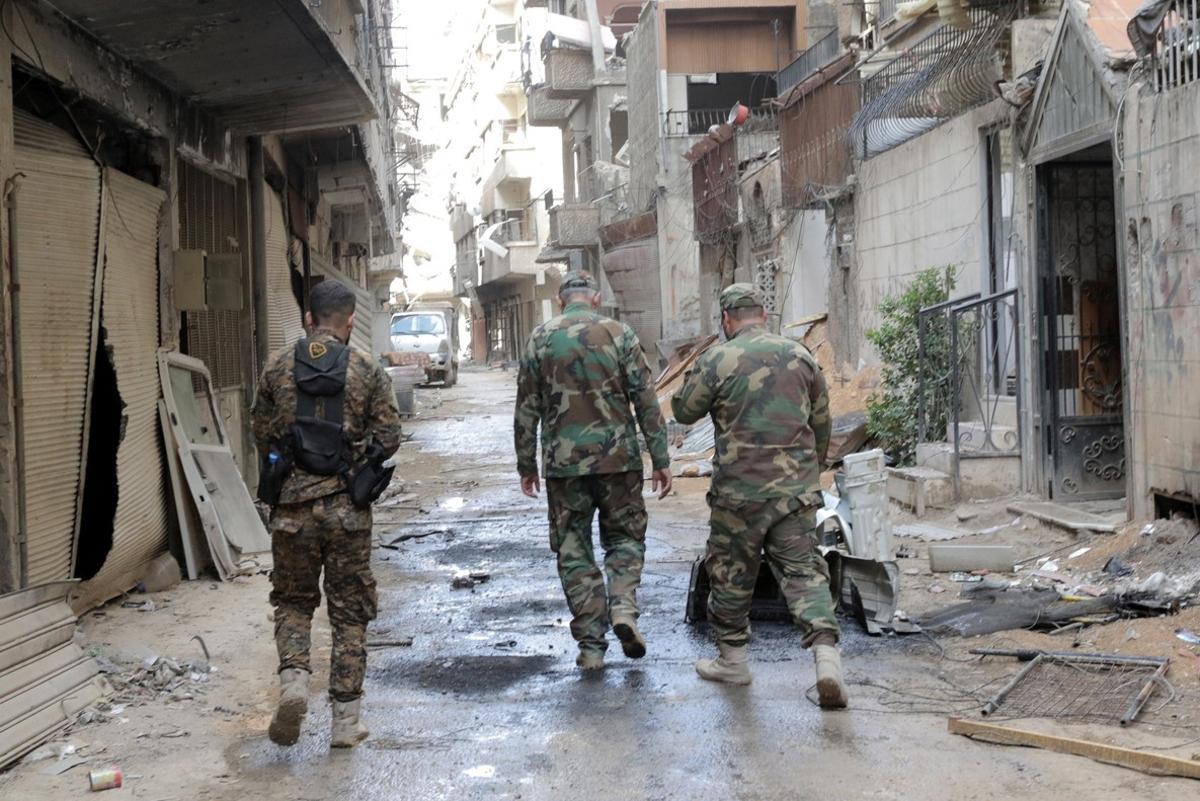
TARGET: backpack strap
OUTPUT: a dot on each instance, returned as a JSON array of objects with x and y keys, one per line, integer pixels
[{"x": 320, "y": 372}]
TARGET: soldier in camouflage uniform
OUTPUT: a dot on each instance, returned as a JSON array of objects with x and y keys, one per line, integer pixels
[
  {"x": 315, "y": 526},
  {"x": 579, "y": 375},
  {"x": 770, "y": 411}
]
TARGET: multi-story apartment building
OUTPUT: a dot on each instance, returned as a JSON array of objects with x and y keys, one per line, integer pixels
[
  {"x": 505, "y": 179},
  {"x": 178, "y": 181}
]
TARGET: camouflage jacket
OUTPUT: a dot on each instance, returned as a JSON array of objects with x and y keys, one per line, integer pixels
[
  {"x": 369, "y": 413},
  {"x": 770, "y": 412},
  {"x": 580, "y": 374}
]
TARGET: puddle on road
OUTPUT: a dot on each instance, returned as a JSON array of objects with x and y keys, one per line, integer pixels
[{"x": 465, "y": 675}]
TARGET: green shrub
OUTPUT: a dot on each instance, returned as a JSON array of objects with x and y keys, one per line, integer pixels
[{"x": 892, "y": 412}]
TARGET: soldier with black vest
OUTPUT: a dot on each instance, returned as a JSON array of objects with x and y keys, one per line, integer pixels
[{"x": 325, "y": 420}]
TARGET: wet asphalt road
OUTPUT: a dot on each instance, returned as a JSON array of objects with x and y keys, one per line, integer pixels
[{"x": 487, "y": 702}]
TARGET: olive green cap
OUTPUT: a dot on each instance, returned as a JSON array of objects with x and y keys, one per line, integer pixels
[
  {"x": 736, "y": 296},
  {"x": 578, "y": 279}
]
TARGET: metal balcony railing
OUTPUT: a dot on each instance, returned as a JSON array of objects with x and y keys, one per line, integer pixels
[
  {"x": 885, "y": 11},
  {"x": 1177, "y": 46},
  {"x": 818, "y": 55},
  {"x": 520, "y": 226},
  {"x": 697, "y": 121}
]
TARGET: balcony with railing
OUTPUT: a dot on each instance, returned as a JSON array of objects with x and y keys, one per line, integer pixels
[
  {"x": 698, "y": 121},
  {"x": 1175, "y": 57},
  {"x": 518, "y": 234},
  {"x": 808, "y": 62}
]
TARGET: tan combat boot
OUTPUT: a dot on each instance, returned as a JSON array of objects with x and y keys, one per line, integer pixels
[
  {"x": 731, "y": 667},
  {"x": 632, "y": 641},
  {"x": 293, "y": 704},
  {"x": 831, "y": 688},
  {"x": 348, "y": 728},
  {"x": 590, "y": 659}
]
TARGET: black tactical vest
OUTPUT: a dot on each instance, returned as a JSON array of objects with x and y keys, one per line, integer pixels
[{"x": 320, "y": 446}]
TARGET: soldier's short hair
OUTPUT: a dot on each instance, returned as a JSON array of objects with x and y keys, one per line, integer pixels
[{"x": 331, "y": 301}]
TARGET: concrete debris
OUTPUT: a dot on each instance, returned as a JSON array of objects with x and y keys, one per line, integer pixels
[
  {"x": 947, "y": 558},
  {"x": 1187, "y": 636},
  {"x": 465, "y": 581},
  {"x": 159, "y": 676}
]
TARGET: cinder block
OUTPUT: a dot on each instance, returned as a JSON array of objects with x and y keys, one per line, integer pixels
[{"x": 950, "y": 557}]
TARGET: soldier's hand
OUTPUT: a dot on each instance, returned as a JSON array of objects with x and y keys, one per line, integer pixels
[
  {"x": 530, "y": 486},
  {"x": 660, "y": 482}
]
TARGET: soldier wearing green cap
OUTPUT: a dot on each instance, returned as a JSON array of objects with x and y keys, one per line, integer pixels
[
  {"x": 770, "y": 411},
  {"x": 585, "y": 380}
]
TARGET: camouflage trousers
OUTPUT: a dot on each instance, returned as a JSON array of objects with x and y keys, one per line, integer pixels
[
  {"x": 573, "y": 503},
  {"x": 328, "y": 534},
  {"x": 785, "y": 530}
]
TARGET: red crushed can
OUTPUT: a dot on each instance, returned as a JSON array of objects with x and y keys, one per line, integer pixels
[{"x": 106, "y": 779}]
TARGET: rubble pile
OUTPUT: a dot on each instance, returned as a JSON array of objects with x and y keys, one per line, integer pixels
[{"x": 158, "y": 676}]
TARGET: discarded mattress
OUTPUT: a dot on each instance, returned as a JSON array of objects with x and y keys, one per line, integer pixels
[{"x": 45, "y": 679}]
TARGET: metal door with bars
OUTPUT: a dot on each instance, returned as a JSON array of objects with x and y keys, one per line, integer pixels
[{"x": 1082, "y": 369}]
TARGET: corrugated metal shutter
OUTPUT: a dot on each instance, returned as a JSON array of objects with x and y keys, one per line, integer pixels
[
  {"x": 130, "y": 319},
  {"x": 211, "y": 219},
  {"x": 58, "y": 214},
  {"x": 364, "y": 307},
  {"x": 285, "y": 324}
]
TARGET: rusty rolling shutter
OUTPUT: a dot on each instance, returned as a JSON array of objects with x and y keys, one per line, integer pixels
[
  {"x": 58, "y": 214},
  {"x": 285, "y": 325},
  {"x": 130, "y": 318},
  {"x": 364, "y": 308}
]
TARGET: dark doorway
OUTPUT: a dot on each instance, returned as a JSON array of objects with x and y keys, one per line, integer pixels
[
  {"x": 100, "y": 472},
  {"x": 1082, "y": 370}
]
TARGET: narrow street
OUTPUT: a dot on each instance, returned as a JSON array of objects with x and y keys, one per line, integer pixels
[{"x": 487, "y": 702}]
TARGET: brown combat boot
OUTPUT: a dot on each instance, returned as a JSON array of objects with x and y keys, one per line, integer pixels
[
  {"x": 831, "y": 688},
  {"x": 348, "y": 728},
  {"x": 293, "y": 705},
  {"x": 731, "y": 667},
  {"x": 632, "y": 641}
]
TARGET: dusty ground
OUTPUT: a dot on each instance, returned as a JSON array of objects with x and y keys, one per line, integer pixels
[{"x": 486, "y": 702}]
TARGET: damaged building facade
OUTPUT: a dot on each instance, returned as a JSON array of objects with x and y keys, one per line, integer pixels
[
  {"x": 1042, "y": 153},
  {"x": 169, "y": 186},
  {"x": 504, "y": 184}
]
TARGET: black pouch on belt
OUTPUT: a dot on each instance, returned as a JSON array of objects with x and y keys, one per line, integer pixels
[
  {"x": 275, "y": 469},
  {"x": 367, "y": 481}
]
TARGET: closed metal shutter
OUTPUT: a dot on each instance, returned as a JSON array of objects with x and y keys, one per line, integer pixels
[
  {"x": 211, "y": 218},
  {"x": 58, "y": 216},
  {"x": 364, "y": 308},
  {"x": 130, "y": 319},
  {"x": 285, "y": 325}
]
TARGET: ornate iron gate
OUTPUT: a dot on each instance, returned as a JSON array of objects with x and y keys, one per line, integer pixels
[{"x": 1082, "y": 369}]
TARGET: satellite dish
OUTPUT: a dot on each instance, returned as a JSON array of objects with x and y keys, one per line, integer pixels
[{"x": 738, "y": 114}]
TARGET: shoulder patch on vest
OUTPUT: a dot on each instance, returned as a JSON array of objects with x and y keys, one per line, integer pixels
[{"x": 316, "y": 350}]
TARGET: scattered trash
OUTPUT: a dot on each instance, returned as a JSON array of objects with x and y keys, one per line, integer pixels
[
  {"x": 1115, "y": 567},
  {"x": 964, "y": 578},
  {"x": 1131, "y": 634},
  {"x": 465, "y": 581},
  {"x": 141, "y": 606},
  {"x": 106, "y": 779},
  {"x": 505, "y": 644},
  {"x": 1188, "y": 636},
  {"x": 62, "y": 766},
  {"x": 1078, "y": 553},
  {"x": 158, "y": 675},
  {"x": 1154, "y": 583},
  {"x": 403, "y": 642},
  {"x": 1051, "y": 567},
  {"x": 936, "y": 588}
]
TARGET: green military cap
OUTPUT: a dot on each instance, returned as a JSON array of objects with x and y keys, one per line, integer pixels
[
  {"x": 736, "y": 296},
  {"x": 578, "y": 279}
]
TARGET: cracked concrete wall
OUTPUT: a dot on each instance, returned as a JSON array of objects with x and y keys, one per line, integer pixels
[{"x": 1161, "y": 189}]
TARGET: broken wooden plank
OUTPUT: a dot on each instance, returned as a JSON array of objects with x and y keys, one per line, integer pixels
[
  {"x": 950, "y": 557},
  {"x": 1063, "y": 516},
  {"x": 1144, "y": 761}
]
